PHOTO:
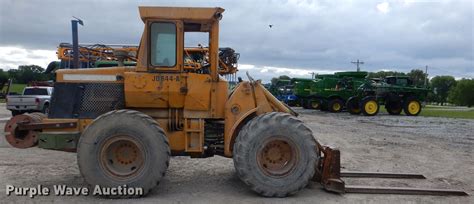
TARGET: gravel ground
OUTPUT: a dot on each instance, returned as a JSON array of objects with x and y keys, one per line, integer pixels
[{"x": 439, "y": 148}]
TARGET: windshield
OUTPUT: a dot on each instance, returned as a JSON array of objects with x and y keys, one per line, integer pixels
[{"x": 35, "y": 91}]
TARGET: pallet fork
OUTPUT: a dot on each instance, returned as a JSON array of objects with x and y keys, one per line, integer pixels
[{"x": 329, "y": 174}]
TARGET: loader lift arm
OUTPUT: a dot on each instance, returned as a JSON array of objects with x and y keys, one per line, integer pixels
[{"x": 329, "y": 174}]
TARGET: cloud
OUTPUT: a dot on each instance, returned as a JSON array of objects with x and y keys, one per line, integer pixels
[
  {"x": 12, "y": 57},
  {"x": 309, "y": 35},
  {"x": 266, "y": 73},
  {"x": 383, "y": 7}
]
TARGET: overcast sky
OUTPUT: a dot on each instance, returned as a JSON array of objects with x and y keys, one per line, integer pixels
[{"x": 319, "y": 36}]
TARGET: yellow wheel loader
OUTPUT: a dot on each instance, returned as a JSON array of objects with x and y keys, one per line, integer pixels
[{"x": 126, "y": 122}]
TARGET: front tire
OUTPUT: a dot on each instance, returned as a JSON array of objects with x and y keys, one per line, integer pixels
[
  {"x": 393, "y": 107},
  {"x": 335, "y": 105},
  {"x": 315, "y": 104},
  {"x": 304, "y": 103},
  {"x": 123, "y": 147},
  {"x": 275, "y": 154},
  {"x": 370, "y": 106},
  {"x": 324, "y": 105},
  {"x": 412, "y": 106},
  {"x": 352, "y": 106}
]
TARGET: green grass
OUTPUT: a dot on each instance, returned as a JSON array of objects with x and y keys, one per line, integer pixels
[
  {"x": 443, "y": 111},
  {"x": 17, "y": 88},
  {"x": 436, "y": 112},
  {"x": 441, "y": 107}
]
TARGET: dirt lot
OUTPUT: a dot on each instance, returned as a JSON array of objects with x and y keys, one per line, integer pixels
[{"x": 439, "y": 148}]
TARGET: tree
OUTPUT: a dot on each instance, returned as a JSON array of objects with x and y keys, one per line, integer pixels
[
  {"x": 275, "y": 80},
  {"x": 441, "y": 86},
  {"x": 3, "y": 76},
  {"x": 463, "y": 93},
  {"x": 27, "y": 73},
  {"x": 418, "y": 77}
]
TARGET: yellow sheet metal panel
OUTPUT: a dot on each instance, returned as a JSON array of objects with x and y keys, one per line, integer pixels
[
  {"x": 198, "y": 93},
  {"x": 190, "y": 91},
  {"x": 182, "y": 13},
  {"x": 154, "y": 90},
  {"x": 237, "y": 108},
  {"x": 221, "y": 95},
  {"x": 176, "y": 139}
]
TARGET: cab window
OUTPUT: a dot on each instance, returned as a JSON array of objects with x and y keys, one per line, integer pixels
[
  {"x": 163, "y": 44},
  {"x": 402, "y": 82},
  {"x": 35, "y": 91}
]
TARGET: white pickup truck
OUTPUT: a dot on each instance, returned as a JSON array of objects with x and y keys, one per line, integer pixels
[{"x": 33, "y": 99}]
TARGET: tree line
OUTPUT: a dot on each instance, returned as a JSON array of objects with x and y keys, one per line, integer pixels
[
  {"x": 444, "y": 89},
  {"x": 25, "y": 74}
]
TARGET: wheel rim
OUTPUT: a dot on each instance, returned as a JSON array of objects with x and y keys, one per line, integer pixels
[
  {"x": 371, "y": 107},
  {"x": 336, "y": 106},
  {"x": 413, "y": 107},
  {"x": 314, "y": 104},
  {"x": 277, "y": 157},
  {"x": 122, "y": 157}
]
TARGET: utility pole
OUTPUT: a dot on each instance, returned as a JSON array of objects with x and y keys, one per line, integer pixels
[
  {"x": 358, "y": 63},
  {"x": 426, "y": 75},
  {"x": 75, "y": 41},
  {"x": 312, "y": 75}
]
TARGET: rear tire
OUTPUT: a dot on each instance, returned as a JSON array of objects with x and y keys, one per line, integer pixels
[
  {"x": 315, "y": 104},
  {"x": 304, "y": 103},
  {"x": 15, "y": 112},
  {"x": 369, "y": 106},
  {"x": 335, "y": 105},
  {"x": 123, "y": 147},
  {"x": 324, "y": 105},
  {"x": 393, "y": 107},
  {"x": 45, "y": 109},
  {"x": 275, "y": 154},
  {"x": 412, "y": 106},
  {"x": 352, "y": 106}
]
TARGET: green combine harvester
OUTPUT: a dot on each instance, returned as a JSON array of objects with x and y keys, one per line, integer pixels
[
  {"x": 329, "y": 91},
  {"x": 358, "y": 94},
  {"x": 301, "y": 89},
  {"x": 396, "y": 93}
]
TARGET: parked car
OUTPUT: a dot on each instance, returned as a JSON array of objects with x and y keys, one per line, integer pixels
[{"x": 33, "y": 99}]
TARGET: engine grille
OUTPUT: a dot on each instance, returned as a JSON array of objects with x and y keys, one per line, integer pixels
[
  {"x": 101, "y": 98},
  {"x": 85, "y": 100}
]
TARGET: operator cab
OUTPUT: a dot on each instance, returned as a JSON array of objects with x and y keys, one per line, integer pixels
[
  {"x": 163, "y": 41},
  {"x": 398, "y": 80}
]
